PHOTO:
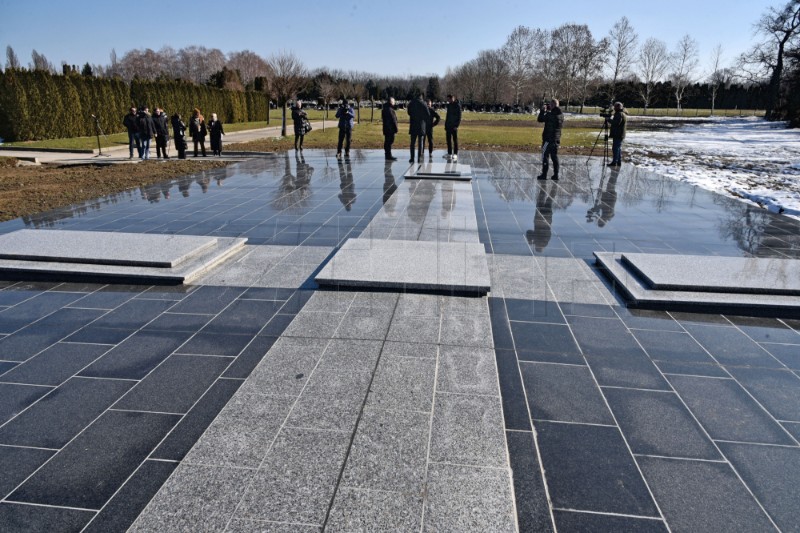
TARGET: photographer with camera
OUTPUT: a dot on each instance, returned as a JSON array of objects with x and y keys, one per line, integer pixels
[
  {"x": 553, "y": 120},
  {"x": 617, "y": 125},
  {"x": 347, "y": 118}
]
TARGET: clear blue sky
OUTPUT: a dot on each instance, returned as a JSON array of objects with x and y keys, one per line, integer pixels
[{"x": 382, "y": 37}]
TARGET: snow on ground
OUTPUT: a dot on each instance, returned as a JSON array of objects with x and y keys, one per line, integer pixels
[{"x": 743, "y": 157}]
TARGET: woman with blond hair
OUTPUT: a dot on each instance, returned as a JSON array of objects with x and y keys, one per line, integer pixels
[{"x": 197, "y": 129}]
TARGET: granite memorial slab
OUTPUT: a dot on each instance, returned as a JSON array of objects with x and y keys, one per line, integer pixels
[
  {"x": 717, "y": 274},
  {"x": 638, "y": 293},
  {"x": 447, "y": 171},
  {"x": 111, "y": 257},
  {"x": 415, "y": 265}
]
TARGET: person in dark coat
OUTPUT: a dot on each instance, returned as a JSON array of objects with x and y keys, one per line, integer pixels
[
  {"x": 162, "y": 132},
  {"x": 618, "y": 125},
  {"x": 216, "y": 132},
  {"x": 146, "y": 127},
  {"x": 553, "y": 119},
  {"x": 433, "y": 120},
  {"x": 418, "y": 114},
  {"x": 347, "y": 118},
  {"x": 451, "y": 123},
  {"x": 389, "y": 119},
  {"x": 133, "y": 132},
  {"x": 198, "y": 131},
  {"x": 179, "y": 134},
  {"x": 300, "y": 119}
]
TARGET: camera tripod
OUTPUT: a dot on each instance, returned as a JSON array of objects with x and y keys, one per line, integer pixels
[
  {"x": 604, "y": 133},
  {"x": 98, "y": 131}
]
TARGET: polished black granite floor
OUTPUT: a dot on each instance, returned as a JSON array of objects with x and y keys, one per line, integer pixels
[{"x": 632, "y": 410}]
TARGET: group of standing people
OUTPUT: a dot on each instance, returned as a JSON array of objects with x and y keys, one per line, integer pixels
[
  {"x": 142, "y": 127},
  {"x": 423, "y": 118}
]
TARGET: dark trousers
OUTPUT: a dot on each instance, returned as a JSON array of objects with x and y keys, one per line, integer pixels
[
  {"x": 133, "y": 142},
  {"x": 550, "y": 149},
  {"x": 345, "y": 135},
  {"x": 452, "y": 141},
  {"x": 418, "y": 140},
  {"x": 429, "y": 136},
  {"x": 161, "y": 146},
  {"x": 388, "y": 141},
  {"x": 202, "y": 143},
  {"x": 616, "y": 151},
  {"x": 180, "y": 144},
  {"x": 298, "y": 140}
]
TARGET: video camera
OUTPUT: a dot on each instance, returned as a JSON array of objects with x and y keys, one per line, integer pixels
[{"x": 607, "y": 112}]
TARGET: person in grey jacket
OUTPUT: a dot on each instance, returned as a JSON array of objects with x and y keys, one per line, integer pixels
[{"x": 419, "y": 115}]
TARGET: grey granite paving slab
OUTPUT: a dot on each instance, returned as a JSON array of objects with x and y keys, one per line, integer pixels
[
  {"x": 403, "y": 383},
  {"x": 467, "y": 330},
  {"x": 467, "y": 370},
  {"x": 331, "y": 401},
  {"x": 702, "y": 496},
  {"x": 453, "y": 171},
  {"x": 418, "y": 329},
  {"x": 262, "y": 526},
  {"x": 374, "y": 511},
  {"x": 285, "y": 369},
  {"x": 763, "y": 275},
  {"x": 408, "y": 265},
  {"x": 194, "y": 498},
  {"x": 771, "y": 472},
  {"x": 462, "y": 498},
  {"x": 297, "y": 479},
  {"x": 102, "y": 248},
  {"x": 56, "y": 364},
  {"x": 468, "y": 430},
  {"x": 389, "y": 452},
  {"x": 242, "y": 433},
  {"x": 365, "y": 323},
  {"x": 34, "y": 518},
  {"x": 777, "y": 390},
  {"x": 409, "y": 349}
]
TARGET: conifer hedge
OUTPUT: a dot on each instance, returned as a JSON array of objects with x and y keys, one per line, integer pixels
[{"x": 36, "y": 105}]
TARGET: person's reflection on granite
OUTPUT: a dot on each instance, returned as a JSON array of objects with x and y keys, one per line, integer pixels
[
  {"x": 389, "y": 186},
  {"x": 151, "y": 193},
  {"x": 203, "y": 180},
  {"x": 184, "y": 183},
  {"x": 422, "y": 193},
  {"x": 348, "y": 189},
  {"x": 304, "y": 170},
  {"x": 448, "y": 198},
  {"x": 539, "y": 236},
  {"x": 606, "y": 200},
  {"x": 165, "y": 188}
]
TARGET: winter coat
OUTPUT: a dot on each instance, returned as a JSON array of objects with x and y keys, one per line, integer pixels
[
  {"x": 433, "y": 119},
  {"x": 299, "y": 117},
  {"x": 162, "y": 125},
  {"x": 419, "y": 115},
  {"x": 144, "y": 123},
  {"x": 389, "y": 118},
  {"x": 346, "y": 118},
  {"x": 453, "y": 118},
  {"x": 618, "y": 125},
  {"x": 179, "y": 131},
  {"x": 553, "y": 122},
  {"x": 216, "y": 132},
  {"x": 130, "y": 122},
  {"x": 197, "y": 129}
]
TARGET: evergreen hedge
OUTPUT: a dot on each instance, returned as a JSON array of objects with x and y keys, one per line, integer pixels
[{"x": 36, "y": 105}]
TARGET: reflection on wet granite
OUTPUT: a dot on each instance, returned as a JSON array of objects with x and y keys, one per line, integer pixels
[{"x": 311, "y": 198}]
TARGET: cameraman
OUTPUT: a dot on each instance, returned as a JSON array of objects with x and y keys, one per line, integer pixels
[
  {"x": 346, "y": 116},
  {"x": 553, "y": 120},
  {"x": 617, "y": 123}
]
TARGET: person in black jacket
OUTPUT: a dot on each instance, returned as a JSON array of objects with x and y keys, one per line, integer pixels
[
  {"x": 133, "y": 132},
  {"x": 162, "y": 132},
  {"x": 617, "y": 125},
  {"x": 300, "y": 119},
  {"x": 146, "y": 127},
  {"x": 433, "y": 120},
  {"x": 419, "y": 115},
  {"x": 389, "y": 118},
  {"x": 216, "y": 131},
  {"x": 179, "y": 133},
  {"x": 347, "y": 117},
  {"x": 198, "y": 131},
  {"x": 451, "y": 123},
  {"x": 553, "y": 120}
]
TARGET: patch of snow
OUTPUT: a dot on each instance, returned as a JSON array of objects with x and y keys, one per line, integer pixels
[{"x": 745, "y": 157}]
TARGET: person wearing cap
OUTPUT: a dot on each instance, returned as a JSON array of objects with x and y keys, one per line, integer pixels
[{"x": 616, "y": 131}]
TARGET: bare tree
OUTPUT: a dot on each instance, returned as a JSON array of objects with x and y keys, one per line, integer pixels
[
  {"x": 249, "y": 65},
  {"x": 327, "y": 90},
  {"x": 518, "y": 53},
  {"x": 765, "y": 61},
  {"x": 717, "y": 76},
  {"x": 683, "y": 62},
  {"x": 289, "y": 77},
  {"x": 590, "y": 61},
  {"x": 546, "y": 77},
  {"x": 652, "y": 64},
  {"x": 568, "y": 39},
  {"x": 622, "y": 47},
  {"x": 494, "y": 74},
  {"x": 12, "y": 61},
  {"x": 198, "y": 63},
  {"x": 40, "y": 62}
]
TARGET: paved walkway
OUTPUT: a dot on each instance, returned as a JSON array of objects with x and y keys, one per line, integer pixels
[{"x": 252, "y": 400}]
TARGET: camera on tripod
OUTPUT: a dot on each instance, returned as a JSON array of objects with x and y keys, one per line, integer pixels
[{"x": 607, "y": 112}]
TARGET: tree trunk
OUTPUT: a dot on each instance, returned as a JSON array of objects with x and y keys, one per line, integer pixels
[
  {"x": 283, "y": 119},
  {"x": 774, "y": 89}
]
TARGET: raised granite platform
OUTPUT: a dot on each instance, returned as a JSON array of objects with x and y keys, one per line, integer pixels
[
  {"x": 111, "y": 257},
  {"x": 445, "y": 171},
  {"x": 691, "y": 295},
  {"x": 408, "y": 265}
]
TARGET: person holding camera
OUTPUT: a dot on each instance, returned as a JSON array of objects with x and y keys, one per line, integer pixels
[
  {"x": 451, "y": 123},
  {"x": 347, "y": 120},
  {"x": 617, "y": 125},
  {"x": 389, "y": 119},
  {"x": 300, "y": 118},
  {"x": 418, "y": 120},
  {"x": 553, "y": 119}
]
